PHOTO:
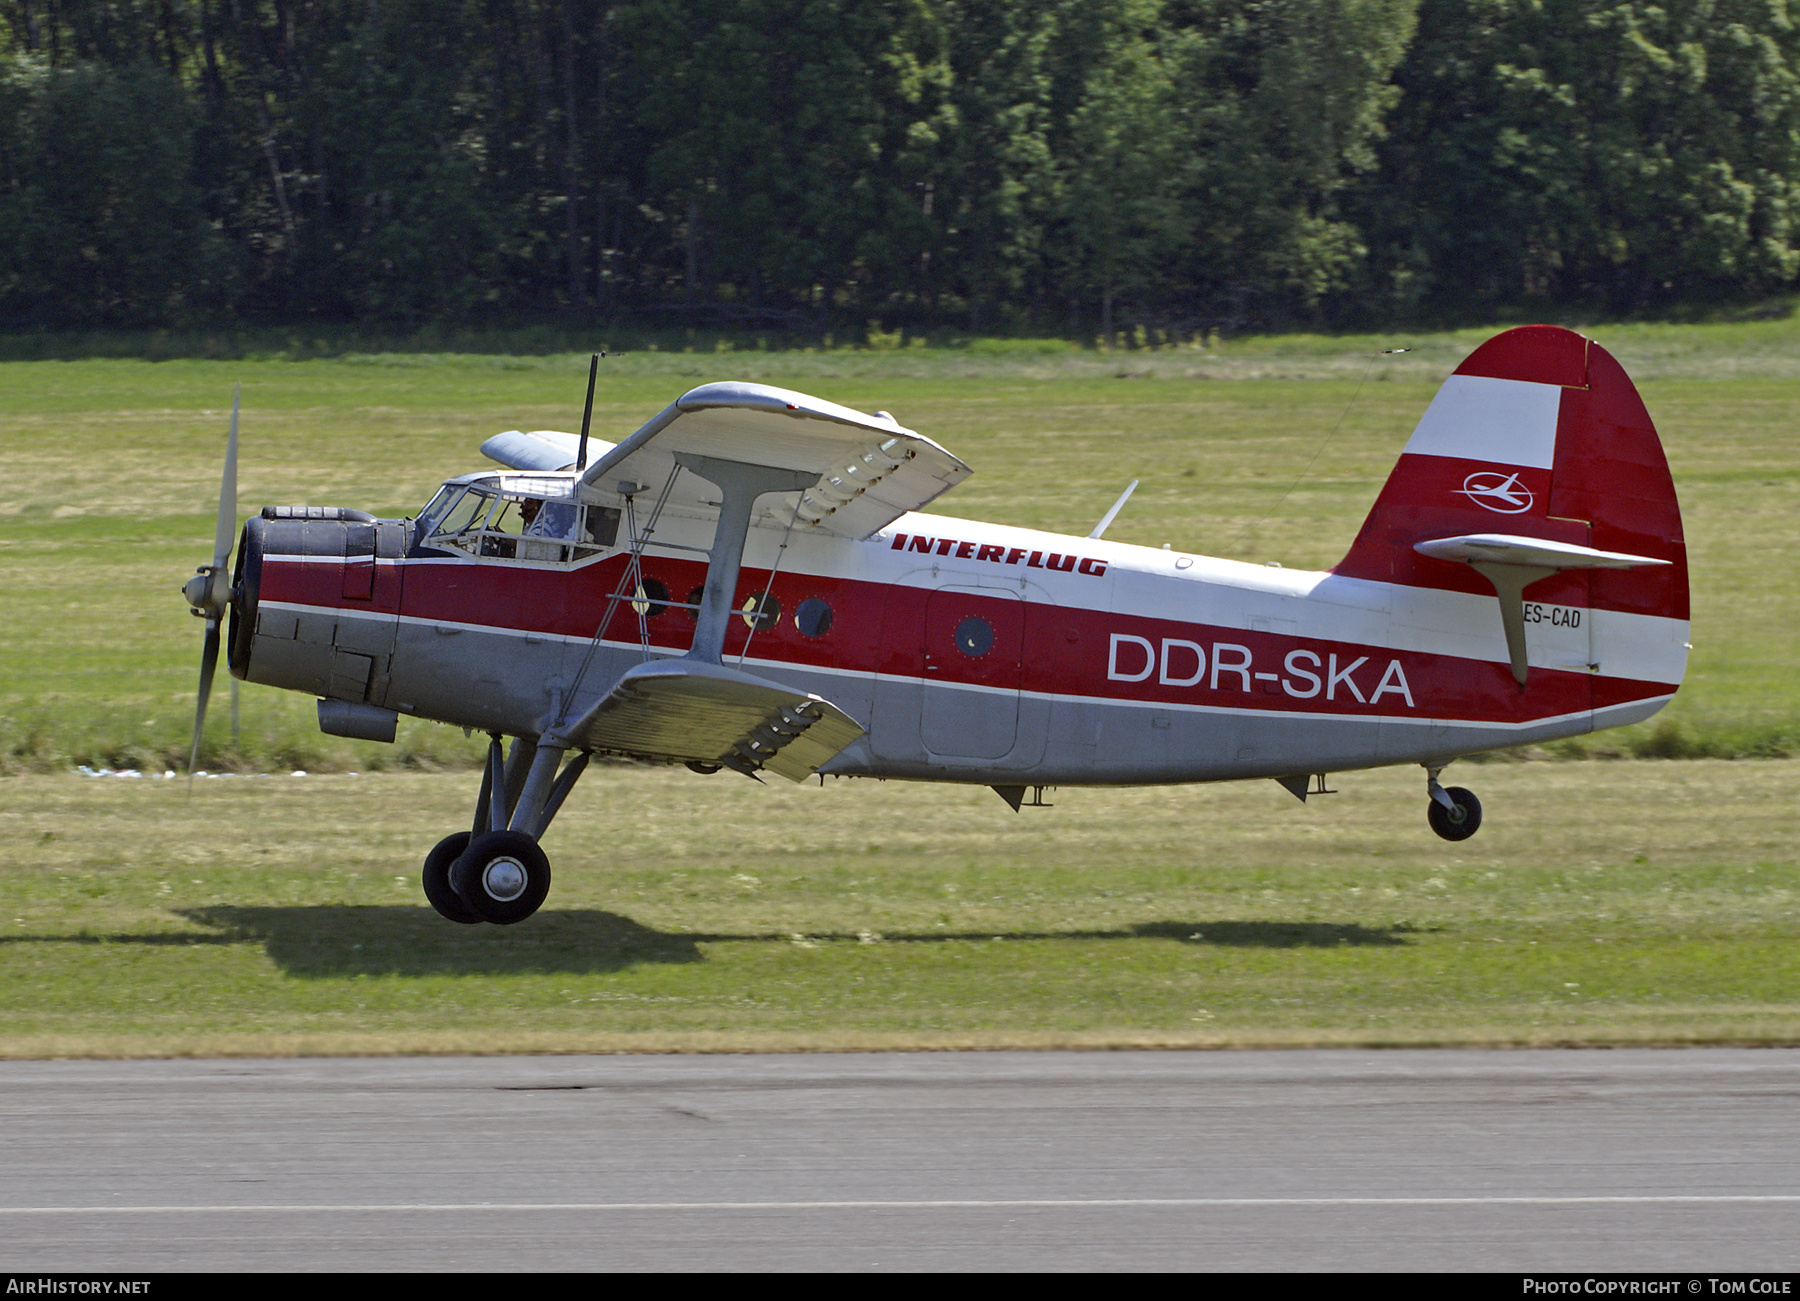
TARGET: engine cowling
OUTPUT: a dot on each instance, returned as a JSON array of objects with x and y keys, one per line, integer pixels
[{"x": 309, "y": 624}]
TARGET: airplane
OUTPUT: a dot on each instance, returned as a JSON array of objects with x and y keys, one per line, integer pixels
[{"x": 748, "y": 582}]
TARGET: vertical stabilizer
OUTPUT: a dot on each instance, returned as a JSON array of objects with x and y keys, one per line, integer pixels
[
  {"x": 1536, "y": 479},
  {"x": 1539, "y": 434}
]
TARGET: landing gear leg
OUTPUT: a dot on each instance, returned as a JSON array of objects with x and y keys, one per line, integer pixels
[
  {"x": 495, "y": 872},
  {"x": 1454, "y": 813}
]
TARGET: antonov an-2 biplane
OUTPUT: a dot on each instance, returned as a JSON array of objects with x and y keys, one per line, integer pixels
[{"x": 746, "y": 583}]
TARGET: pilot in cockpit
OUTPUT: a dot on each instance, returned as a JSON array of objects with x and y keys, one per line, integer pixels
[
  {"x": 553, "y": 520},
  {"x": 548, "y": 519}
]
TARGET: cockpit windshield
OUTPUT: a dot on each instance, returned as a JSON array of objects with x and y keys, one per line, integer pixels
[
  {"x": 469, "y": 510},
  {"x": 439, "y": 503}
]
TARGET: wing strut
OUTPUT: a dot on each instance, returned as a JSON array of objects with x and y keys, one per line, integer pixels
[
  {"x": 741, "y": 485},
  {"x": 694, "y": 708}
]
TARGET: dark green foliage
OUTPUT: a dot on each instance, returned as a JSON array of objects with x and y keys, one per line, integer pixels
[
  {"x": 1288, "y": 100},
  {"x": 817, "y": 165},
  {"x": 417, "y": 221},
  {"x": 1625, "y": 155},
  {"x": 100, "y": 219},
  {"x": 786, "y": 143}
]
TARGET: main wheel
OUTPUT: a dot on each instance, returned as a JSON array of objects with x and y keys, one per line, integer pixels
[
  {"x": 503, "y": 876},
  {"x": 1459, "y": 823},
  {"x": 437, "y": 880}
]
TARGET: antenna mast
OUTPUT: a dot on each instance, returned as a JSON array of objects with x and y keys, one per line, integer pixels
[{"x": 587, "y": 412}]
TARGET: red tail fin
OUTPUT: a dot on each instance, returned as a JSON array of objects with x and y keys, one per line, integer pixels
[{"x": 1539, "y": 434}]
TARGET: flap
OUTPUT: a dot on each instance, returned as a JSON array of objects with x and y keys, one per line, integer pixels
[
  {"x": 683, "y": 710},
  {"x": 1505, "y": 549},
  {"x": 871, "y": 470}
]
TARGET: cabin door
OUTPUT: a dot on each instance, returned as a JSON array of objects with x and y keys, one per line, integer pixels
[{"x": 973, "y": 647}]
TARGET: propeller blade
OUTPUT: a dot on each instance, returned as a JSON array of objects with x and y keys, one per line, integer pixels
[
  {"x": 216, "y": 597},
  {"x": 209, "y": 661}
]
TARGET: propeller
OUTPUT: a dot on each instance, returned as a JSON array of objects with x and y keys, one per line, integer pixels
[{"x": 209, "y": 590}]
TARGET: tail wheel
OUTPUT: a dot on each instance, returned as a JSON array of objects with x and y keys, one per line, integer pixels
[
  {"x": 437, "y": 880},
  {"x": 503, "y": 876},
  {"x": 1458, "y": 822}
]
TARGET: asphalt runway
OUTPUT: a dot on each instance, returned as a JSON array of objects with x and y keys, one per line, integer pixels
[{"x": 1635, "y": 1160}]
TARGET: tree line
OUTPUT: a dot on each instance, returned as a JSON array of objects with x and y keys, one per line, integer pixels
[{"x": 1185, "y": 165}]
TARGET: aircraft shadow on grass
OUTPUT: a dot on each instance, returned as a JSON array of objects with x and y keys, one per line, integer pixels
[
  {"x": 408, "y": 941},
  {"x": 337, "y": 940}
]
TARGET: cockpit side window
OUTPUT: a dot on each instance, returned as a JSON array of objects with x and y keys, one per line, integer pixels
[
  {"x": 552, "y": 519},
  {"x": 513, "y": 525},
  {"x": 602, "y": 525},
  {"x": 506, "y": 518}
]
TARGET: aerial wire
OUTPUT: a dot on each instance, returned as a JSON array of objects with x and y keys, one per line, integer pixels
[{"x": 1317, "y": 452}]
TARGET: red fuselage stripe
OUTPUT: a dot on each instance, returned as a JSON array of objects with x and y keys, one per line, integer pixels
[{"x": 909, "y": 631}]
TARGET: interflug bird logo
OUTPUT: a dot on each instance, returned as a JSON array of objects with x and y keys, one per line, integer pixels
[{"x": 1495, "y": 491}]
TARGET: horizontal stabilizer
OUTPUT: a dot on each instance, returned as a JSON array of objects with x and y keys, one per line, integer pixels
[
  {"x": 705, "y": 713},
  {"x": 1539, "y": 553},
  {"x": 1511, "y": 564},
  {"x": 870, "y": 469}
]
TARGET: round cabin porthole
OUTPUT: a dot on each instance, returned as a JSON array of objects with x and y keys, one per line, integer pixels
[
  {"x": 760, "y": 613},
  {"x": 812, "y": 617},
  {"x": 974, "y": 636},
  {"x": 693, "y": 603},
  {"x": 652, "y": 598}
]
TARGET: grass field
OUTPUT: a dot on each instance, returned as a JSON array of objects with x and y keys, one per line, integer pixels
[
  {"x": 1617, "y": 902},
  {"x": 281, "y": 915}
]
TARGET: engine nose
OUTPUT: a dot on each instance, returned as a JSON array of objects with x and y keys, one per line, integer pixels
[
  {"x": 208, "y": 592},
  {"x": 196, "y": 588},
  {"x": 323, "y": 532}
]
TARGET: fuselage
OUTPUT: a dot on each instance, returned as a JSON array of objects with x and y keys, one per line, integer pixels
[{"x": 969, "y": 651}]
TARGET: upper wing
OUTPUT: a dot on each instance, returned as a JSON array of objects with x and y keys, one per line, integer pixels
[
  {"x": 541, "y": 449},
  {"x": 871, "y": 469}
]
